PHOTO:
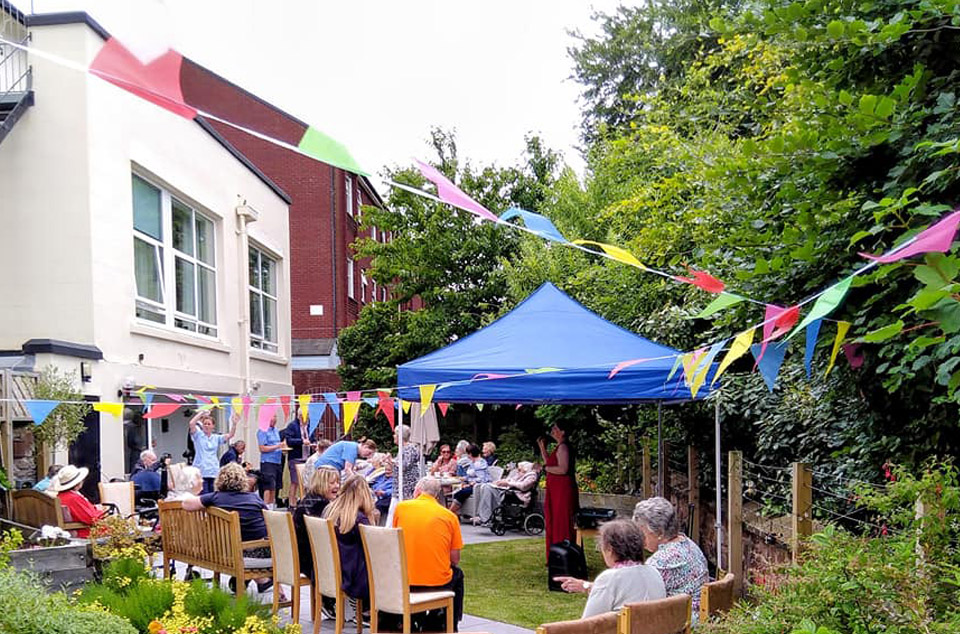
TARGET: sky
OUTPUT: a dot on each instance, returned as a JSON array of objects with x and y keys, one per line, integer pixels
[{"x": 378, "y": 74}]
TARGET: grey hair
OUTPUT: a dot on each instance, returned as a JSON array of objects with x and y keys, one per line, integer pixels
[
  {"x": 405, "y": 431},
  {"x": 462, "y": 447},
  {"x": 187, "y": 478},
  {"x": 657, "y": 515},
  {"x": 623, "y": 538},
  {"x": 430, "y": 486},
  {"x": 147, "y": 452},
  {"x": 524, "y": 465}
]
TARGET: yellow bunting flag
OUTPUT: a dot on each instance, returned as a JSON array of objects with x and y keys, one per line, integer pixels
[
  {"x": 479, "y": 407},
  {"x": 426, "y": 396},
  {"x": 304, "y": 400},
  {"x": 216, "y": 401},
  {"x": 690, "y": 362},
  {"x": 739, "y": 347},
  {"x": 621, "y": 255},
  {"x": 110, "y": 408},
  {"x": 406, "y": 406},
  {"x": 350, "y": 409},
  {"x": 237, "y": 404},
  {"x": 842, "y": 328}
]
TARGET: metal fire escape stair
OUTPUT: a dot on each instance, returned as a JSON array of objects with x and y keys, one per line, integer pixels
[{"x": 12, "y": 107}]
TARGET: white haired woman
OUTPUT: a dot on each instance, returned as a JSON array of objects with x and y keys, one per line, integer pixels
[
  {"x": 626, "y": 580},
  {"x": 678, "y": 558}
]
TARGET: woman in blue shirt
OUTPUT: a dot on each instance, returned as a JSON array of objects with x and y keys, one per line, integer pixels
[{"x": 206, "y": 444}]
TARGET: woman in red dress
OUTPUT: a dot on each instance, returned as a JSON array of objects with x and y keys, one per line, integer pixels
[{"x": 561, "y": 500}]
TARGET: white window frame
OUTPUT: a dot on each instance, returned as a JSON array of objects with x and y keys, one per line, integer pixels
[
  {"x": 167, "y": 256},
  {"x": 363, "y": 286},
  {"x": 348, "y": 188},
  {"x": 351, "y": 291},
  {"x": 259, "y": 340}
]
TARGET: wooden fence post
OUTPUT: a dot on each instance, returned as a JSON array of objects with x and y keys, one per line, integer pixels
[
  {"x": 735, "y": 519},
  {"x": 664, "y": 483},
  {"x": 632, "y": 462},
  {"x": 693, "y": 492},
  {"x": 647, "y": 471},
  {"x": 802, "y": 506}
]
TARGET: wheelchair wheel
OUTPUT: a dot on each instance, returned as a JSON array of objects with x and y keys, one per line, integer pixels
[
  {"x": 534, "y": 524},
  {"x": 498, "y": 528}
]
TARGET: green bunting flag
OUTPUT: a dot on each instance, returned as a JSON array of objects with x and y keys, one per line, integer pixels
[
  {"x": 724, "y": 300},
  {"x": 326, "y": 149},
  {"x": 824, "y": 305}
]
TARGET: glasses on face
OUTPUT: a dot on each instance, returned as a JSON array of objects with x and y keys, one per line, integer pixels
[{"x": 445, "y": 451}]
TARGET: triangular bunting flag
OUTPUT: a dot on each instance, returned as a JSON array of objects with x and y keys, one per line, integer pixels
[
  {"x": 618, "y": 254},
  {"x": 285, "y": 406},
  {"x": 370, "y": 400},
  {"x": 691, "y": 361},
  {"x": 623, "y": 365},
  {"x": 328, "y": 150},
  {"x": 147, "y": 400},
  {"x": 247, "y": 402},
  {"x": 741, "y": 343},
  {"x": 350, "y": 409},
  {"x": 267, "y": 409},
  {"x": 703, "y": 280},
  {"x": 304, "y": 401},
  {"x": 854, "y": 354},
  {"x": 704, "y": 367},
  {"x": 937, "y": 237},
  {"x": 109, "y": 408},
  {"x": 479, "y": 407},
  {"x": 315, "y": 413},
  {"x": 405, "y": 405},
  {"x": 426, "y": 396},
  {"x": 334, "y": 402},
  {"x": 723, "y": 300},
  {"x": 159, "y": 410},
  {"x": 540, "y": 225},
  {"x": 354, "y": 396},
  {"x": 39, "y": 409},
  {"x": 450, "y": 193},
  {"x": 176, "y": 397},
  {"x": 842, "y": 328},
  {"x": 443, "y": 408},
  {"x": 236, "y": 405},
  {"x": 813, "y": 331},
  {"x": 770, "y": 363},
  {"x": 825, "y": 304},
  {"x": 386, "y": 405},
  {"x": 676, "y": 364}
]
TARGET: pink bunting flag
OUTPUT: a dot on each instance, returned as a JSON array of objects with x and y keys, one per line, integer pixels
[
  {"x": 484, "y": 376},
  {"x": 450, "y": 193},
  {"x": 266, "y": 413},
  {"x": 285, "y": 406},
  {"x": 202, "y": 399},
  {"x": 777, "y": 321},
  {"x": 354, "y": 396},
  {"x": 623, "y": 365},
  {"x": 159, "y": 410},
  {"x": 937, "y": 237},
  {"x": 176, "y": 397},
  {"x": 443, "y": 408},
  {"x": 247, "y": 402},
  {"x": 702, "y": 280},
  {"x": 854, "y": 355},
  {"x": 157, "y": 81}
]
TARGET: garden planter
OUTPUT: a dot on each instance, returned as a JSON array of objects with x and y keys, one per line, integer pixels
[
  {"x": 62, "y": 567},
  {"x": 622, "y": 504}
]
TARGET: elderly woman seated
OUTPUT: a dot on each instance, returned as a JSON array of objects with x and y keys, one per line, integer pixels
[
  {"x": 626, "y": 580},
  {"x": 187, "y": 481},
  {"x": 519, "y": 483},
  {"x": 678, "y": 558}
]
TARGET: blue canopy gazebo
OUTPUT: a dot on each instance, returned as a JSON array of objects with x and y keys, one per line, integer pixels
[{"x": 551, "y": 349}]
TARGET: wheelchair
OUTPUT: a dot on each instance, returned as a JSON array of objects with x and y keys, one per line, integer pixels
[{"x": 513, "y": 514}]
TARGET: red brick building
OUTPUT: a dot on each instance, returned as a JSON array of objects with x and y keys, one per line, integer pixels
[{"x": 327, "y": 286}]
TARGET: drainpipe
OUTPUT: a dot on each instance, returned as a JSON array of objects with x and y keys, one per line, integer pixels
[
  {"x": 245, "y": 215},
  {"x": 333, "y": 245}
]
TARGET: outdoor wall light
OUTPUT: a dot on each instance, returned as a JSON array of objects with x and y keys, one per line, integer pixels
[{"x": 86, "y": 371}]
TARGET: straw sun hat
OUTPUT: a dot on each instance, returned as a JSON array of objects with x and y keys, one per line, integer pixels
[{"x": 68, "y": 477}]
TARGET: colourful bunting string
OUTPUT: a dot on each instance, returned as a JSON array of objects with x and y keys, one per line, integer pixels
[
  {"x": 704, "y": 367},
  {"x": 825, "y": 304},
  {"x": 326, "y": 149},
  {"x": 813, "y": 331},
  {"x": 690, "y": 362},
  {"x": 159, "y": 410},
  {"x": 109, "y": 408},
  {"x": 770, "y": 362},
  {"x": 842, "y": 328},
  {"x": 722, "y": 301},
  {"x": 937, "y": 237},
  {"x": 39, "y": 409},
  {"x": 426, "y": 396},
  {"x": 615, "y": 252},
  {"x": 350, "y": 409},
  {"x": 702, "y": 280},
  {"x": 540, "y": 225},
  {"x": 450, "y": 193},
  {"x": 784, "y": 320},
  {"x": 741, "y": 343}
]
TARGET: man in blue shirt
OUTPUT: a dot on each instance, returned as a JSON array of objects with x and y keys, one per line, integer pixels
[
  {"x": 343, "y": 454},
  {"x": 271, "y": 458},
  {"x": 206, "y": 444}
]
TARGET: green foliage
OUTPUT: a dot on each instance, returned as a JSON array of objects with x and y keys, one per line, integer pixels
[
  {"x": 903, "y": 582},
  {"x": 65, "y": 422},
  {"x": 9, "y": 540},
  {"x": 228, "y": 612},
  {"x": 26, "y": 608}
]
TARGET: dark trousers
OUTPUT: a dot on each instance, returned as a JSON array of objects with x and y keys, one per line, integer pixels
[
  {"x": 455, "y": 584},
  {"x": 207, "y": 485}
]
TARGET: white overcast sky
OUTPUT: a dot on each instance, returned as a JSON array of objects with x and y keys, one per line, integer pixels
[{"x": 377, "y": 74}]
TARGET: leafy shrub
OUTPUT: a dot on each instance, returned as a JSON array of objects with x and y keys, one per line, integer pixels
[
  {"x": 25, "y": 608},
  {"x": 228, "y": 613},
  {"x": 139, "y": 603}
]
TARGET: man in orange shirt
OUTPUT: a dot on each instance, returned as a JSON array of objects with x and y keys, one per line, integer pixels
[{"x": 432, "y": 539}]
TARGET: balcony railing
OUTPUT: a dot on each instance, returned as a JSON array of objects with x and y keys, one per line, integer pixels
[{"x": 15, "y": 71}]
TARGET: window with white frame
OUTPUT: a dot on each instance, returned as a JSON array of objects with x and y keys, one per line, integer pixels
[
  {"x": 363, "y": 287},
  {"x": 174, "y": 261},
  {"x": 351, "y": 292},
  {"x": 263, "y": 300},
  {"x": 348, "y": 188}
]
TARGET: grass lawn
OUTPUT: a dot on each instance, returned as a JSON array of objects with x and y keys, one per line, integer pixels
[{"x": 507, "y": 581}]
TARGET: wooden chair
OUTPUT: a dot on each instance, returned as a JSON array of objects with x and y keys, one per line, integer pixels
[
  {"x": 663, "y": 616},
  {"x": 327, "y": 574},
  {"x": 210, "y": 539},
  {"x": 37, "y": 509},
  {"x": 716, "y": 596},
  {"x": 600, "y": 624},
  {"x": 300, "y": 483},
  {"x": 286, "y": 562},
  {"x": 120, "y": 494},
  {"x": 389, "y": 584}
]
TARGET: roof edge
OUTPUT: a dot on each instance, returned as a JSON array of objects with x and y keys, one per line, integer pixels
[{"x": 67, "y": 17}]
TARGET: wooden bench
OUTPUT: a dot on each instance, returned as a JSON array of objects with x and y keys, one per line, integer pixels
[
  {"x": 210, "y": 539},
  {"x": 37, "y": 509}
]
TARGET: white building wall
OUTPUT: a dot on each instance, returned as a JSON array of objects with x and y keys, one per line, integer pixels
[{"x": 70, "y": 197}]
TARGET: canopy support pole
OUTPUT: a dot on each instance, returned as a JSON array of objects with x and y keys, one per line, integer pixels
[
  {"x": 660, "y": 487},
  {"x": 719, "y": 514},
  {"x": 400, "y": 447}
]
